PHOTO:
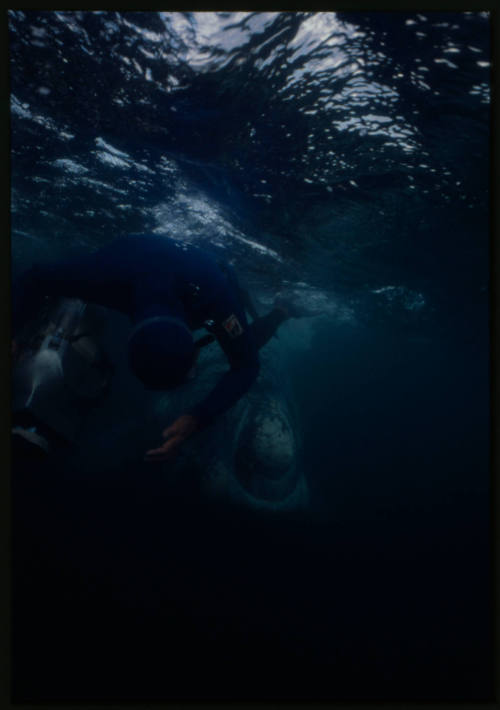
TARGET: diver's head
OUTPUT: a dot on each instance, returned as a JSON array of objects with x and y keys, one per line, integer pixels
[{"x": 161, "y": 352}]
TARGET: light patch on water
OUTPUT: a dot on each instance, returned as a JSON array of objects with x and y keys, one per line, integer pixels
[
  {"x": 70, "y": 166},
  {"x": 99, "y": 183},
  {"x": 38, "y": 31},
  {"x": 442, "y": 60},
  {"x": 410, "y": 300},
  {"x": 68, "y": 19},
  {"x": 274, "y": 56},
  {"x": 379, "y": 125},
  {"x": 147, "y": 34},
  {"x": 358, "y": 94},
  {"x": 422, "y": 85},
  {"x": 197, "y": 218},
  {"x": 168, "y": 166},
  {"x": 115, "y": 158},
  {"x": 277, "y": 52},
  {"x": 23, "y": 111},
  {"x": 298, "y": 332},
  {"x": 208, "y": 39},
  {"x": 211, "y": 30},
  {"x": 147, "y": 54},
  {"x": 335, "y": 60},
  {"x": 101, "y": 143},
  {"x": 318, "y": 30},
  {"x": 143, "y": 168},
  {"x": 482, "y": 90},
  {"x": 110, "y": 159},
  {"x": 320, "y": 302},
  {"x": 377, "y": 119},
  {"x": 258, "y": 247}
]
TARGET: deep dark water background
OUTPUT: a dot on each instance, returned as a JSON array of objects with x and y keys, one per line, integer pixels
[
  {"x": 141, "y": 592},
  {"x": 126, "y": 588}
]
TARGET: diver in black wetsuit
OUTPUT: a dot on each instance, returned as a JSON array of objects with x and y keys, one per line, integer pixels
[{"x": 168, "y": 289}]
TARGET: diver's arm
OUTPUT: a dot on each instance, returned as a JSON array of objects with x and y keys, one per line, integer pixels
[
  {"x": 236, "y": 339},
  {"x": 248, "y": 303},
  {"x": 244, "y": 294},
  {"x": 230, "y": 328},
  {"x": 230, "y": 388},
  {"x": 175, "y": 434}
]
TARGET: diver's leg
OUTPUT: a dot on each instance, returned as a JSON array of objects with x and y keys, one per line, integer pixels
[
  {"x": 70, "y": 278},
  {"x": 98, "y": 277},
  {"x": 60, "y": 374}
]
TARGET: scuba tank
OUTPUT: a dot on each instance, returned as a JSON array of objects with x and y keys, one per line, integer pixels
[{"x": 61, "y": 371}]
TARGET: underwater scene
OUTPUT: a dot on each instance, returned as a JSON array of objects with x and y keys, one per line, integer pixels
[{"x": 327, "y": 535}]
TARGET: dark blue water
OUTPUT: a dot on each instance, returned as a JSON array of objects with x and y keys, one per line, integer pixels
[{"x": 343, "y": 157}]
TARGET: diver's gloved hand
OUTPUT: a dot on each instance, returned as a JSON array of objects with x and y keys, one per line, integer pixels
[{"x": 175, "y": 434}]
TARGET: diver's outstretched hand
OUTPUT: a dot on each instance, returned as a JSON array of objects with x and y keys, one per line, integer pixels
[{"x": 175, "y": 434}]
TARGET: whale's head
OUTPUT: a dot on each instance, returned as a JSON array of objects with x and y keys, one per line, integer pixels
[{"x": 261, "y": 469}]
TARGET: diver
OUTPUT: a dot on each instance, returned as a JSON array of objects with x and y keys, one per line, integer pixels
[{"x": 168, "y": 289}]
